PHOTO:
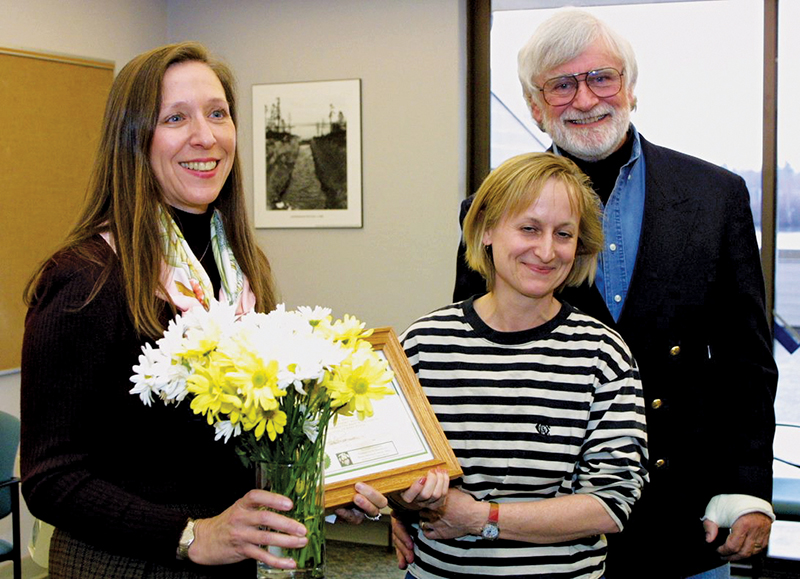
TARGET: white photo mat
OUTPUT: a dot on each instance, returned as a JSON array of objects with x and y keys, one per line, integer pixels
[{"x": 295, "y": 188}]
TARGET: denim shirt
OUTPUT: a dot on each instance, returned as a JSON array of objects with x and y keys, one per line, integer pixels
[{"x": 622, "y": 227}]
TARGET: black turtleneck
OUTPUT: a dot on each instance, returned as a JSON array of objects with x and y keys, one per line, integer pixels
[
  {"x": 604, "y": 172},
  {"x": 196, "y": 229}
]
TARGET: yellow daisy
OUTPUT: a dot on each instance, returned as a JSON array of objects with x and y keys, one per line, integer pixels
[
  {"x": 352, "y": 388},
  {"x": 213, "y": 395},
  {"x": 257, "y": 382}
]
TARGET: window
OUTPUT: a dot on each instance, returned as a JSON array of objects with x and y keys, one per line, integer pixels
[
  {"x": 787, "y": 283},
  {"x": 787, "y": 267}
]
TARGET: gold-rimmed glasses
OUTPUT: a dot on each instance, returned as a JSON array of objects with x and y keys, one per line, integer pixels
[{"x": 561, "y": 90}]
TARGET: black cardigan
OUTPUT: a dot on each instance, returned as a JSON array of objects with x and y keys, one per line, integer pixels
[{"x": 96, "y": 462}]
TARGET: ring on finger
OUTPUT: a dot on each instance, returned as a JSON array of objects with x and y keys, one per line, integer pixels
[
  {"x": 375, "y": 518},
  {"x": 424, "y": 525}
]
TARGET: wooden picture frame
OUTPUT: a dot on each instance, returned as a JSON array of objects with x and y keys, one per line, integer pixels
[{"x": 340, "y": 492}]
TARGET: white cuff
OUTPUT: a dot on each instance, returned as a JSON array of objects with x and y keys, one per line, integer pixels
[{"x": 725, "y": 509}]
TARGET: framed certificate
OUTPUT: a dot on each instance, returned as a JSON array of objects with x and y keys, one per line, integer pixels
[{"x": 400, "y": 443}]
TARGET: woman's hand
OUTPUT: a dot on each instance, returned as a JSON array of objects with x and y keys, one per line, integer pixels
[
  {"x": 458, "y": 516},
  {"x": 236, "y": 534},
  {"x": 403, "y": 543},
  {"x": 429, "y": 492},
  {"x": 369, "y": 503}
]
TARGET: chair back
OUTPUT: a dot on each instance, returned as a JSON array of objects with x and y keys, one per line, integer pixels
[{"x": 9, "y": 442}]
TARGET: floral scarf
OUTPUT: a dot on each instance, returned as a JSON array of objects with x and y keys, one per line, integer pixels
[{"x": 186, "y": 282}]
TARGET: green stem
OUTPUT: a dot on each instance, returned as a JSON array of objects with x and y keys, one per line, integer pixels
[{"x": 294, "y": 467}]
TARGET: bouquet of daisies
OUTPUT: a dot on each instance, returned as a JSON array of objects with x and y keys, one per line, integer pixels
[
  {"x": 272, "y": 382},
  {"x": 278, "y": 374}
]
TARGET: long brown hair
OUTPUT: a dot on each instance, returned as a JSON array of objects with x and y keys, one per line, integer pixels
[{"x": 123, "y": 196}]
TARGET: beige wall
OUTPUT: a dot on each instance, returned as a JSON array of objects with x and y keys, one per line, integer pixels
[
  {"x": 410, "y": 57},
  {"x": 113, "y": 30}
]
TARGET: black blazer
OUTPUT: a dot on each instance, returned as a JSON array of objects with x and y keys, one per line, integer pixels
[{"x": 695, "y": 321}]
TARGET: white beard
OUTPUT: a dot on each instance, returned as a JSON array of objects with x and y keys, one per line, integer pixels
[{"x": 589, "y": 144}]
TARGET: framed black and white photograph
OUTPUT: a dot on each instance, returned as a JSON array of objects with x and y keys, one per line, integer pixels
[{"x": 307, "y": 154}]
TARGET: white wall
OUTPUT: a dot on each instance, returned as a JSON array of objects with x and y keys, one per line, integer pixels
[{"x": 410, "y": 56}]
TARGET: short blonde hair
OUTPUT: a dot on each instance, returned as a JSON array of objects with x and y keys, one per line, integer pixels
[{"x": 516, "y": 184}]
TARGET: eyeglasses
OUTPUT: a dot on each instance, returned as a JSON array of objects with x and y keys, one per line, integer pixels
[{"x": 560, "y": 91}]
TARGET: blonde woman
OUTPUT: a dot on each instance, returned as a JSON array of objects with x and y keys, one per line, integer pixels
[{"x": 541, "y": 403}]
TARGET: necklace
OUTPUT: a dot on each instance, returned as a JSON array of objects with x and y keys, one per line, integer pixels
[{"x": 205, "y": 251}]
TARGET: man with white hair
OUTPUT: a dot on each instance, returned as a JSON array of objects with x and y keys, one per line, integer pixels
[{"x": 680, "y": 279}]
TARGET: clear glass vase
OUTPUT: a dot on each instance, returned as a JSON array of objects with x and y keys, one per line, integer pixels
[{"x": 303, "y": 483}]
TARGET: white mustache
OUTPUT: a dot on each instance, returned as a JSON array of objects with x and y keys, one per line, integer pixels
[{"x": 597, "y": 112}]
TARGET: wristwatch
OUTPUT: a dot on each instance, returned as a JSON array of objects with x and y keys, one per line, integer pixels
[
  {"x": 490, "y": 530},
  {"x": 187, "y": 538}
]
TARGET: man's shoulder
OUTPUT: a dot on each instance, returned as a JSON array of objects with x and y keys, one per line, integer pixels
[{"x": 681, "y": 165}]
